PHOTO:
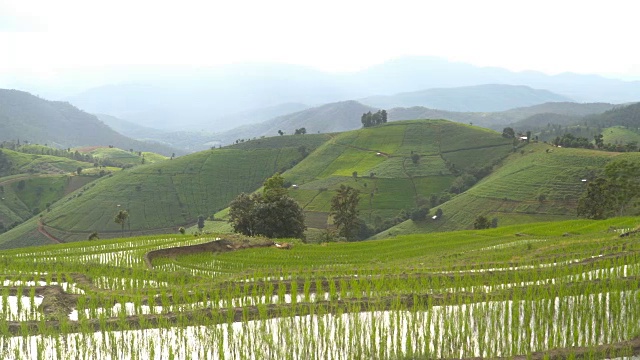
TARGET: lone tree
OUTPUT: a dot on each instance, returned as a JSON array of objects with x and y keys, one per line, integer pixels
[
  {"x": 121, "y": 218},
  {"x": 272, "y": 213},
  {"x": 344, "y": 210},
  {"x": 481, "y": 222},
  {"x": 508, "y": 133},
  {"x": 200, "y": 223},
  {"x": 415, "y": 157}
]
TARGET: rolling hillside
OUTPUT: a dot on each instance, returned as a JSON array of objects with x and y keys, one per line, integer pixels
[
  {"x": 162, "y": 196},
  {"x": 541, "y": 184},
  {"x": 31, "y": 183},
  {"x": 479, "y": 98},
  {"x": 120, "y": 156},
  {"x": 389, "y": 181},
  {"x": 59, "y": 124}
]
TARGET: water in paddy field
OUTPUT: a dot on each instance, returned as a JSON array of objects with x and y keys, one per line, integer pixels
[
  {"x": 486, "y": 329},
  {"x": 20, "y": 308}
]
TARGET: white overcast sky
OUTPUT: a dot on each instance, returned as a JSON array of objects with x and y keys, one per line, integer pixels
[{"x": 552, "y": 36}]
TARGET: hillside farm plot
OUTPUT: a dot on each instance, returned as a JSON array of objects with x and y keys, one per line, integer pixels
[
  {"x": 164, "y": 196},
  {"x": 449, "y": 295}
]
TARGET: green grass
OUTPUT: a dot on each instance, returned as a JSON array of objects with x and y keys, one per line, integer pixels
[
  {"x": 33, "y": 163},
  {"x": 619, "y": 135},
  {"x": 386, "y": 152},
  {"x": 161, "y": 197},
  {"x": 568, "y": 285},
  {"x": 512, "y": 192},
  {"x": 120, "y": 156}
]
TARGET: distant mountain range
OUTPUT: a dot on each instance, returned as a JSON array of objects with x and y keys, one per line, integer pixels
[
  {"x": 346, "y": 115},
  {"x": 29, "y": 118},
  {"x": 485, "y": 98},
  {"x": 185, "y": 99}
]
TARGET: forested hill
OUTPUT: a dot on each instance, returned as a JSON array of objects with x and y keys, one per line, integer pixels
[
  {"x": 628, "y": 116},
  {"x": 27, "y": 117}
]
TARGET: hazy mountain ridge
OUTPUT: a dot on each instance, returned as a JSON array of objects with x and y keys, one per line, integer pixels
[
  {"x": 346, "y": 115},
  {"x": 334, "y": 117},
  {"x": 479, "y": 98},
  {"x": 27, "y": 117},
  {"x": 187, "y": 99}
]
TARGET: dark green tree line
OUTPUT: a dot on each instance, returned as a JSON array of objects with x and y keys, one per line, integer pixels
[{"x": 372, "y": 119}]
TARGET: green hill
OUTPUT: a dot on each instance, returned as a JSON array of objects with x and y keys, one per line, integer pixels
[
  {"x": 59, "y": 124},
  {"x": 620, "y": 135},
  {"x": 120, "y": 157},
  {"x": 541, "y": 184},
  {"x": 162, "y": 196},
  {"x": 31, "y": 183},
  {"x": 389, "y": 181}
]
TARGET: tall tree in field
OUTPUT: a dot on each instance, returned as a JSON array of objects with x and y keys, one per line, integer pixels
[
  {"x": 121, "y": 218},
  {"x": 273, "y": 213},
  {"x": 200, "y": 223},
  {"x": 344, "y": 209}
]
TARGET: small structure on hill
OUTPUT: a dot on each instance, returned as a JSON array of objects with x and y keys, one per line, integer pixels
[{"x": 283, "y": 246}]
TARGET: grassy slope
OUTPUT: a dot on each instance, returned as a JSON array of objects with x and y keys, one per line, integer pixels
[
  {"x": 162, "y": 196},
  {"x": 122, "y": 156},
  {"x": 619, "y": 135},
  {"x": 397, "y": 181},
  {"x": 512, "y": 192},
  {"x": 46, "y": 179}
]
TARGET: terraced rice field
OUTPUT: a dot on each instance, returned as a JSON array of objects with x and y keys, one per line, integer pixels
[{"x": 545, "y": 290}]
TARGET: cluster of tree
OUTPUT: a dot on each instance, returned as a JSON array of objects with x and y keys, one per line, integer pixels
[
  {"x": 271, "y": 213},
  {"x": 372, "y": 119},
  {"x": 300, "y": 131},
  {"x": 572, "y": 141},
  {"x": 612, "y": 193},
  {"x": 569, "y": 140},
  {"x": 482, "y": 222}
]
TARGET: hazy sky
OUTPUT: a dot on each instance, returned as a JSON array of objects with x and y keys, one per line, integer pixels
[{"x": 38, "y": 38}]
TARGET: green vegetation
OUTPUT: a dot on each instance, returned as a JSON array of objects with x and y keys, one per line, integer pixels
[
  {"x": 28, "y": 117},
  {"x": 545, "y": 290},
  {"x": 271, "y": 213},
  {"x": 372, "y": 119},
  {"x": 542, "y": 184},
  {"x": 163, "y": 196},
  {"x": 390, "y": 183},
  {"x": 344, "y": 211},
  {"x": 613, "y": 193},
  {"x": 110, "y": 156}
]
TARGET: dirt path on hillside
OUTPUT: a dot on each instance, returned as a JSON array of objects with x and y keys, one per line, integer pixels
[{"x": 44, "y": 232}]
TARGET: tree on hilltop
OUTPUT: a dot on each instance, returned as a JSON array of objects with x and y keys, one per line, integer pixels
[{"x": 369, "y": 119}]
